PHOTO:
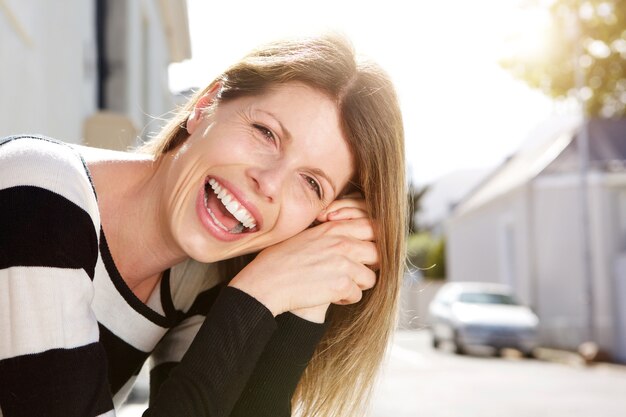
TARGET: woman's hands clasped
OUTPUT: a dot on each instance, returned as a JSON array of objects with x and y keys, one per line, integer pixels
[{"x": 328, "y": 263}]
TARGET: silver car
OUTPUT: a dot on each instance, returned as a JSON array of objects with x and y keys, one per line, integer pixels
[{"x": 476, "y": 313}]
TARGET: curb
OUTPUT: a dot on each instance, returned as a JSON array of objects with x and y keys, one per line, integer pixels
[{"x": 572, "y": 359}]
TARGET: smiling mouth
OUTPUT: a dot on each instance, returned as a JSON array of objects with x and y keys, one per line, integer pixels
[{"x": 225, "y": 210}]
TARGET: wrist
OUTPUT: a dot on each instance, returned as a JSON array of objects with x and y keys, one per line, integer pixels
[
  {"x": 315, "y": 314},
  {"x": 262, "y": 297}
]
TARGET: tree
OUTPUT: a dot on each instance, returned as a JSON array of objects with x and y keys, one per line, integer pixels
[
  {"x": 415, "y": 195},
  {"x": 588, "y": 34}
]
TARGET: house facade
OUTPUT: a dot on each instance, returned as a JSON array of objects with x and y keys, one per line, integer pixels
[
  {"x": 94, "y": 70},
  {"x": 523, "y": 226}
]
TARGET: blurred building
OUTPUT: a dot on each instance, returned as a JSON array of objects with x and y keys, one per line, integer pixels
[
  {"x": 522, "y": 226},
  {"x": 88, "y": 71},
  {"x": 443, "y": 195}
]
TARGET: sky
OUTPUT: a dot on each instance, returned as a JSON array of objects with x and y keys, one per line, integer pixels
[{"x": 460, "y": 109}]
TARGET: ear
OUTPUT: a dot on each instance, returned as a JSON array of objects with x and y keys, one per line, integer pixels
[{"x": 196, "y": 115}]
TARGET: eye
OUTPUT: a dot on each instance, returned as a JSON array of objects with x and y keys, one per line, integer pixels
[
  {"x": 267, "y": 134},
  {"x": 314, "y": 185}
]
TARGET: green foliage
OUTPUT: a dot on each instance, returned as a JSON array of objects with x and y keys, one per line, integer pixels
[
  {"x": 437, "y": 258},
  {"x": 590, "y": 35},
  {"x": 428, "y": 254},
  {"x": 415, "y": 197}
]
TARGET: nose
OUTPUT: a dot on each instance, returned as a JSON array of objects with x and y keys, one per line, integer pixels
[{"x": 268, "y": 181}]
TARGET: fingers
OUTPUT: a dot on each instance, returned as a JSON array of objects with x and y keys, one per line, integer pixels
[
  {"x": 360, "y": 251},
  {"x": 361, "y": 228},
  {"x": 349, "y": 287},
  {"x": 340, "y": 204},
  {"x": 346, "y": 213},
  {"x": 347, "y": 291},
  {"x": 365, "y": 279}
]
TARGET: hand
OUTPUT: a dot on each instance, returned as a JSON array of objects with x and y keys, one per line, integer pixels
[
  {"x": 348, "y": 208},
  {"x": 324, "y": 264}
]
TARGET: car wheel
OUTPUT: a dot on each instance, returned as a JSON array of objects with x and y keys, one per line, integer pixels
[
  {"x": 459, "y": 349},
  {"x": 435, "y": 342}
]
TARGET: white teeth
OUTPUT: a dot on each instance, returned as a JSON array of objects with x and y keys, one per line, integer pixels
[
  {"x": 242, "y": 214},
  {"x": 217, "y": 222},
  {"x": 233, "y": 206}
]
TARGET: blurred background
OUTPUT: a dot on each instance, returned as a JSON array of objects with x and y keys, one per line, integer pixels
[{"x": 515, "y": 119}]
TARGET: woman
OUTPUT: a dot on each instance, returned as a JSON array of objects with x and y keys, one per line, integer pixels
[{"x": 268, "y": 159}]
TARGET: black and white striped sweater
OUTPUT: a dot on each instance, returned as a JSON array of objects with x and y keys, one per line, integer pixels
[{"x": 73, "y": 335}]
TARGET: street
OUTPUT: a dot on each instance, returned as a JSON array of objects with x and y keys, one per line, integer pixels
[{"x": 418, "y": 381}]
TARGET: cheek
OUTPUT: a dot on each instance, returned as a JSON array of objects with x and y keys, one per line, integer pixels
[{"x": 295, "y": 218}]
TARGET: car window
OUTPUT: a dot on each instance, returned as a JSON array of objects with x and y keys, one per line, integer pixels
[{"x": 486, "y": 298}]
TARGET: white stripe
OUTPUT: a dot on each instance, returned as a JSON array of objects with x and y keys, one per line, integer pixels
[
  {"x": 177, "y": 341},
  {"x": 51, "y": 166},
  {"x": 121, "y": 318},
  {"x": 121, "y": 395},
  {"x": 110, "y": 413},
  {"x": 45, "y": 308},
  {"x": 190, "y": 278}
]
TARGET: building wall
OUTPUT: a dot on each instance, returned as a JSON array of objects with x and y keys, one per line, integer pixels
[
  {"x": 415, "y": 296},
  {"x": 531, "y": 238},
  {"x": 559, "y": 262},
  {"x": 560, "y": 259},
  {"x": 490, "y": 244},
  {"x": 137, "y": 83},
  {"x": 619, "y": 271},
  {"x": 48, "y": 73},
  {"x": 49, "y": 76}
]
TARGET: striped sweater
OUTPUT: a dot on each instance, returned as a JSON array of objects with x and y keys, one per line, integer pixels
[{"x": 73, "y": 336}]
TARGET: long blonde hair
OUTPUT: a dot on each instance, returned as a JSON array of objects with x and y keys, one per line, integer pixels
[{"x": 339, "y": 378}]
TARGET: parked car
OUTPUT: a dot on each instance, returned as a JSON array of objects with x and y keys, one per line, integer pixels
[{"x": 486, "y": 314}]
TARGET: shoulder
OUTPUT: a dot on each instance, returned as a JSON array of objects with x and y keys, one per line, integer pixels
[
  {"x": 42, "y": 163},
  {"x": 48, "y": 208}
]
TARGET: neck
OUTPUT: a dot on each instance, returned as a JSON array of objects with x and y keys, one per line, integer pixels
[{"x": 133, "y": 220}]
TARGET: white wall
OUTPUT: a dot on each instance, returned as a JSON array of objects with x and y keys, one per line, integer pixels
[
  {"x": 559, "y": 261},
  {"x": 138, "y": 49},
  {"x": 491, "y": 244},
  {"x": 415, "y": 296},
  {"x": 559, "y": 252},
  {"x": 48, "y": 74}
]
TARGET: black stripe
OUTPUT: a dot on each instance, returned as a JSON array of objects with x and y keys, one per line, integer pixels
[
  {"x": 158, "y": 375},
  {"x": 204, "y": 301},
  {"x": 127, "y": 293},
  {"x": 166, "y": 300},
  {"x": 124, "y": 359},
  {"x": 56, "y": 383},
  {"x": 42, "y": 228}
]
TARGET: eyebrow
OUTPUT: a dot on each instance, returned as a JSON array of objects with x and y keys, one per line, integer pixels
[
  {"x": 285, "y": 132},
  {"x": 288, "y": 137}
]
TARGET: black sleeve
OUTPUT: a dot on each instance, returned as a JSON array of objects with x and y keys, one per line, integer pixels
[
  {"x": 213, "y": 373},
  {"x": 278, "y": 371}
]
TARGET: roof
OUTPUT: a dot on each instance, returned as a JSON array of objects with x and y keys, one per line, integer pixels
[
  {"x": 607, "y": 148},
  {"x": 553, "y": 149},
  {"x": 444, "y": 193},
  {"x": 542, "y": 146}
]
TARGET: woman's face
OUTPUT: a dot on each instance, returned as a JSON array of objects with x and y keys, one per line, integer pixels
[{"x": 255, "y": 171}]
